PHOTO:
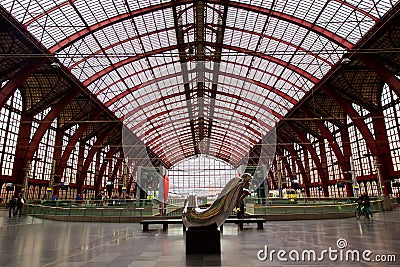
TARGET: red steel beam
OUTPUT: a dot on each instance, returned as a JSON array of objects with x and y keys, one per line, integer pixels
[
  {"x": 379, "y": 68},
  {"x": 107, "y": 161},
  {"x": 148, "y": 83},
  {"x": 108, "y": 22},
  {"x": 355, "y": 117},
  {"x": 278, "y": 61},
  {"x": 168, "y": 133},
  {"x": 210, "y": 25},
  {"x": 73, "y": 141},
  {"x": 97, "y": 146},
  {"x": 23, "y": 140},
  {"x": 140, "y": 12},
  {"x": 295, "y": 156},
  {"x": 175, "y": 148},
  {"x": 344, "y": 166},
  {"x": 116, "y": 65},
  {"x": 344, "y": 2},
  {"x": 228, "y": 62},
  {"x": 167, "y": 142},
  {"x": 233, "y": 160},
  {"x": 246, "y": 115},
  {"x": 100, "y": 51},
  {"x": 314, "y": 156},
  {"x": 47, "y": 121},
  {"x": 47, "y": 12},
  {"x": 164, "y": 112},
  {"x": 378, "y": 152},
  {"x": 192, "y": 26},
  {"x": 170, "y": 96},
  {"x": 382, "y": 141},
  {"x": 58, "y": 146},
  {"x": 291, "y": 19},
  {"x": 347, "y": 154},
  {"x": 14, "y": 83}
]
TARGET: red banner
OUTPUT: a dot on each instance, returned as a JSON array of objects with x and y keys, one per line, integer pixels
[{"x": 166, "y": 187}]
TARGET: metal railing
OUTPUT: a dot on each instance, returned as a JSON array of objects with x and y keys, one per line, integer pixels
[
  {"x": 259, "y": 209},
  {"x": 139, "y": 208}
]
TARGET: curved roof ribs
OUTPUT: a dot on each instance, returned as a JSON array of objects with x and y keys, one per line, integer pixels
[
  {"x": 116, "y": 65},
  {"x": 220, "y": 155},
  {"x": 200, "y": 44},
  {"x": 191, "y": 26},
  {"x": 139, "y": 12},
  {"x": 169, "y": 96},
  {"x": 213, "y": 142},
  {"x": 98, "y": 52},
  {"x": 183, "y": 146},
  {"x": 239, "y": 151},
  {"x": 171, "y": 140},
  {"x": 343, "y": 2},
  {"x": 252, "y": 133},
  {"x": 177, "y": 94},
  {"x": 243, "y": 114},
  {"x": 235, "y": 63},
  {"x": 48, "y": 12},
  {"x": 164, "y": 49},
  {"x": 172, "y": 154},
  {"x": 255, "y": 136}
]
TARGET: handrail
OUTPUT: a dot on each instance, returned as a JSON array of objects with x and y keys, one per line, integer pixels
[{"x": 140, "y": 211}]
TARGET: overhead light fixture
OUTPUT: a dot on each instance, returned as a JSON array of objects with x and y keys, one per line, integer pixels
[
  {"x": 345, "y": 61},
  {"x": 191, "y": 49},
  {"x": 55, "y": 65}
]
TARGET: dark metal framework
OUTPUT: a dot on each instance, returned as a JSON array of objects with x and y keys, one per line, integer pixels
[{"x": 179, "y": 73}]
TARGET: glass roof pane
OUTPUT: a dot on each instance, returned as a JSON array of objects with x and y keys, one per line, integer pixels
[
  {"x": 91, "y": 15},
  {"x": 377, "y": 10}
]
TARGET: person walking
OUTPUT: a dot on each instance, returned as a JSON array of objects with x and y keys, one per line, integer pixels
[
  {"x": 364, "y": 204},
  {"x": 20, "y": 204},
  {"x": 79, "y": 200},
  {"x": 12, "y": 205}
]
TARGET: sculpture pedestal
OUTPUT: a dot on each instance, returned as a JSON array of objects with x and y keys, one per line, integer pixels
[{"x": 203, "y": 241}]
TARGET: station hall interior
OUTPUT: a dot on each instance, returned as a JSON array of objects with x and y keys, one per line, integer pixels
[{"x": 115, "y": 111}]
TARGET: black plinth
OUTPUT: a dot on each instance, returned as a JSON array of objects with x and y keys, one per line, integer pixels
[{"x": 203, "y": 240}]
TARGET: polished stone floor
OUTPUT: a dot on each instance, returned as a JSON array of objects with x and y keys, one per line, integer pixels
[{"x": 27, "y": 241}]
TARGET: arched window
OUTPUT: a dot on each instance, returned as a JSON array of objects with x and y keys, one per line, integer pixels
[
  {"x": 362, "y": 157},
  {"x": 69, "y": 175},
  {"x": 9, "y": 127},
  {"x": 391, "y": 110},
  {"x": 42, "y": 162},
  {"x": 200, "y": 175}
]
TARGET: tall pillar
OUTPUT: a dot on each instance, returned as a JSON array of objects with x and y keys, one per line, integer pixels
[
  {"x": 385, "y": 168},
  {"x": 344, "y": 134},
  {"x": 324, "y": 179},
  {"x": 79, "y": 186},
  {"x": 20, "y": 164},
  {"x": 57, "y": 158}
]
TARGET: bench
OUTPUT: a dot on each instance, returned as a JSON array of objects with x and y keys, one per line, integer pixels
[
  {"x": 166, "y": 222},
  {"x": 260, "y": 222}
]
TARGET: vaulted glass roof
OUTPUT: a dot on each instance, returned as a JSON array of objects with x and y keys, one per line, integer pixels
[{"x": 190, "y": 77}]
